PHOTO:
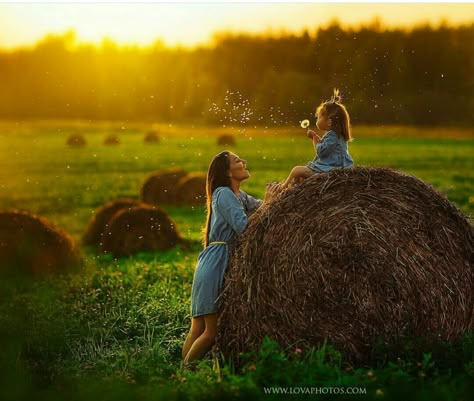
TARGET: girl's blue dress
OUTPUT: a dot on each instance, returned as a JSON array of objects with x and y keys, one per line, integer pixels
[
  {"x": 228, "y": 218},
  {"x": 332, "y": 152}
]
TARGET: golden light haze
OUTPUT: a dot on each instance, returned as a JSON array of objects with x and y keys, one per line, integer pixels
[{"x": 189, "y": 24}]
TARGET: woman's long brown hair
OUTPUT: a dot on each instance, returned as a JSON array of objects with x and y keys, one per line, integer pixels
[{"x": 217, "y": 176}]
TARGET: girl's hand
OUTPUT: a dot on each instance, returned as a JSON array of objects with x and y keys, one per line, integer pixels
[
  {"x": 310, "y": 133},
  {"x": 315, "y": 137}
]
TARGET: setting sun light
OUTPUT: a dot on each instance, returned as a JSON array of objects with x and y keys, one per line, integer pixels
[{"x": 189, "y": 24}]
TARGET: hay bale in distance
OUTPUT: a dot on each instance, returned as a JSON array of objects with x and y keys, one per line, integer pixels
[
  {"x": 354, "y": 255},
  {"x": 152, "y": 137},
  {"x": 111, "y": 140},
  {"x": 32, "y": 246},
  {"x": 160, "y": 187},
  {"x": 141, "y": 228},
  {"x": 191, "y": 190},
  {"x": 76, "y": 140},
  {"x": 101, "y": 218},
  {"x": 226, "y": 140}
]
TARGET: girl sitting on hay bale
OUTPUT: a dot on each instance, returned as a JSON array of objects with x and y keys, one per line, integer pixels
[
  {"x": 227, "y": 210},
  {"x": 332, "y": 149}
]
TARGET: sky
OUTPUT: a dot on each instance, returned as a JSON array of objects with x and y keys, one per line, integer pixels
[{"x": 193, "y": 23}]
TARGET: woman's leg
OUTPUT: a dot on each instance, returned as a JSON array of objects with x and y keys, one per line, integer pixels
[
  {"x": 197, "y": 328},
  {"x": 205, "y": 341},
  {"x": 296, "y": 174}
]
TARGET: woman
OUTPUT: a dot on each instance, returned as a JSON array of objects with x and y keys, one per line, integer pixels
[{"x": 227, "y": 210}]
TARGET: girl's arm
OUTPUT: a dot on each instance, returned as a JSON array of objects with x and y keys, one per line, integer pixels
[
  {"x": 315, "y": 138},
  {"x": 327, "y": 145}
]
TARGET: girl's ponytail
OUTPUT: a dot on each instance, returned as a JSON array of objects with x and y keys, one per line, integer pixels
[
  {"x": 336, "y": 97},
  {"x": 333, "y": 109}
]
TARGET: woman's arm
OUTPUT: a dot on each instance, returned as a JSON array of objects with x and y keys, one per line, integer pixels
[
  {"x": 251, "y": 204},
  {"x": 231, "y": 210}
]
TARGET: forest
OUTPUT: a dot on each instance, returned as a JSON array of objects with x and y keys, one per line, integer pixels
[{"x": 423, "y": 76}]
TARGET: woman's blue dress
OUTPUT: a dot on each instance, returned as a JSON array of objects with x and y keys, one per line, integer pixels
[{"x": 229, "y": 217}]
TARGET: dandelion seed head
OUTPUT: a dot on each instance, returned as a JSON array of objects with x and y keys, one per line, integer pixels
[{"x": 304, "y": 124}]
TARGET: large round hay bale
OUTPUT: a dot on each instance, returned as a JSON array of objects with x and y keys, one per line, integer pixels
[
  {"x": 152, "y": 137},
  {"x": 101, "y": 218},
  {"x": 76, "y": 140},
  {"x": 32, "y": 246},
  {"x": 160, "y": 187},
  {"x": 111, "y": 140},
  {"x": 191, "y": 190},
  {"x": 355, "y": 256},
  {"x": 141, "y": 228},
  {"x": 226, "y": 140}
]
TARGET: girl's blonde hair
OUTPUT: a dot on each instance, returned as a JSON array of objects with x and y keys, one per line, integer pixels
[{"x": 335, "y": 111}]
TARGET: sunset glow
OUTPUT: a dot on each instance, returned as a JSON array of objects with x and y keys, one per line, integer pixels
[{"x": 189, "y": 24}]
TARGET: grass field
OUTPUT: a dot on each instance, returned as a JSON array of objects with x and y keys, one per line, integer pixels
[{"x": 115, "y": 330}]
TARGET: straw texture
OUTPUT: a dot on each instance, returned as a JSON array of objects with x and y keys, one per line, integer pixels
[
  {"x": 31, "y": 245},
  {"x": 354, "y": 256}
]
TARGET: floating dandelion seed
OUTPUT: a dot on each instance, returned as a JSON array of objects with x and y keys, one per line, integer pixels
[{"x": 305, "y": 124}]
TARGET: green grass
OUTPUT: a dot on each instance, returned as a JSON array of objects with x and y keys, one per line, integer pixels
[{"x": 115, "y": 330}]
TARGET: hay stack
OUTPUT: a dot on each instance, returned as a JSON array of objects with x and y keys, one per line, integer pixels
[
  {"x": 32, "y": 246},
  {"x": 191, "y": 189},
  {"x": 160, "y": 187},
  {"x": 226, "y": 140},
  {"x": 111, "y": 140},
  {"x": 354, "y": 255},
  {"x": 101, "y": 218},
  {"x": 76, "y": 140},
  {"x": 141, "y": 228},
  {"x": 152, "y": 137}
]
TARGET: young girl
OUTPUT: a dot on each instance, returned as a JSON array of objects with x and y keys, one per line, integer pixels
[{"x": 332, "y": 149}]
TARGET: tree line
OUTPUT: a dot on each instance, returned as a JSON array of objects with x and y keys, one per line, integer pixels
[{"x": 422, "y": 76}]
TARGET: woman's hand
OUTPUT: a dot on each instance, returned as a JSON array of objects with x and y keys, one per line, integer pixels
[{"x": 272, "y": 189}]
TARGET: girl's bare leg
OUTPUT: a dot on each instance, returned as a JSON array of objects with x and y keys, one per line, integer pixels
[{"x": 297, "y": 174}]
